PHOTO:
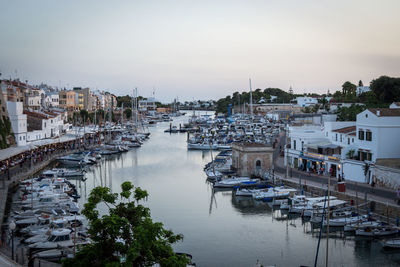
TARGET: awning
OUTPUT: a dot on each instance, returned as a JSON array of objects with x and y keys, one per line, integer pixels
[
  {"x": 313, "y": 159},
  {"x": 332, "y": 146}
]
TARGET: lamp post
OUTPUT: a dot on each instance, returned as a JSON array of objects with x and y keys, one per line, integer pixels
[{"x": 12, "y": 228}]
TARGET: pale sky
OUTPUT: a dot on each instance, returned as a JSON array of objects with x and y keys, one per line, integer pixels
[{"x": 199, "y": 49}]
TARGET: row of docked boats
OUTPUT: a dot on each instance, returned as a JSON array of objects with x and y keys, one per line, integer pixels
[
  {"x": 122, "y": 142},
  {"x": 220, "y": 133},
  {"x": 46, "y": 215},
  {"x": 342, "y": 216}
]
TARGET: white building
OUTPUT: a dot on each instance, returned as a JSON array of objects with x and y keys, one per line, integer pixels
[
  {"x": 362, "y": 89},
  {"x": 18, "y": 122},
  {"x": 311, "y": 148},
  {"x": 350, "y": 149},
  {"x": 51, "y": 100},
  {"x": 395, "y": 105},
  {"x": 303, "y": 101},
  {"x": 378, "y": 131},
  {"x": 44, "y": 124},
  {"x": 147, "y": 104}
]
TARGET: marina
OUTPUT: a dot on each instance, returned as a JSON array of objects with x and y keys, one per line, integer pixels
[{"x": 220, "y": 226}]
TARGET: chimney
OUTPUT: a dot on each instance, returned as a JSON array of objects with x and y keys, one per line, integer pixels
[{"x": 378, "y": 112}]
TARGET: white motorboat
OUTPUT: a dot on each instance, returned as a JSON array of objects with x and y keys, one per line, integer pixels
[
  {"x": 213, "y": 175},
  {"x": 236, "y": 181},
  {"x": 53, "y": 255},
  {"x": 351, "y": 227},
  {"x": 341, "y": 222},
  {"x": 277, "y": 192},
  {"x": 74, "y": 160},
  {"x": 245, "y": 192},
  {"x": 202, "y": 146},
  {"x": 62, "y": 172},
  {"x": 59, "y": 238},
  {"x": 36, "y": 238},
  {"x": 377, "y": 232},
  {"x": 393, "y": 243}
]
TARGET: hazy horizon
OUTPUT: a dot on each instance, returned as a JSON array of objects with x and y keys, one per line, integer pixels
[{"x": 199, "y": 50}]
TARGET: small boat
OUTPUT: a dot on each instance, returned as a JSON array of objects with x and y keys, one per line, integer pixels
[
  {"x": 244, "y": 192},
  {"x": 53, "y": 255},
  {"x": 202, "y": 146},
  {"x": 351, "y": 227},
  {"x": 62, "y": 172},
  {"x": 74, "y": 160},
  {"x": 341, "y": 222},
  {"x": 377, "y": 232},
  {"x": 393, "y": 243},
  {"x": 271, "y": 193},
  {"x": 173, "y": 129},
  {"x": 236, "y": 181}
]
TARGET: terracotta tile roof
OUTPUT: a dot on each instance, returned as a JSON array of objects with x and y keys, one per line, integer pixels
[
  {"x": 37, "y": 115},
  {"x": 346, "y": 130},
  {"x": 385, "y": 112},
  {"x": 51, "y": 113}
]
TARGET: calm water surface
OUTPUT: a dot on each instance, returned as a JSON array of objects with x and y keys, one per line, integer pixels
[{"x": 219, "y": 229}]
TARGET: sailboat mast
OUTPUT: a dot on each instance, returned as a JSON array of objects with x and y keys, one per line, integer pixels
[
  {"x": 136, "y": 112},
  {"x": 251, "y": 101},
  {"x": 122, "y": 115}
]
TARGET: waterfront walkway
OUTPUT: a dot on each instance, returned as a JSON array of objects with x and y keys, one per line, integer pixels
[
  {"x": 9, "y": 180},
  {"x": 378, "y": 194},
  {"x": 362, "y": 190}
]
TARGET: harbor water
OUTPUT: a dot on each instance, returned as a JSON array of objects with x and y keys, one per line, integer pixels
[{"x": 220, "y": 229}]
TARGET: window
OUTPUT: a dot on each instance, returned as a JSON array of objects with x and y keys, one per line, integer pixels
[
  {"x": 348, "y": 141},
  {"x": 368, "y": 135},
  {"x": 369, "y": 156},
  {"x": 336, "y": 138},
  {"x": 361, "y": 135},
  {"x": 258, "y": 164},
  {"x": 294, "y": 144},
  {"x": 341, "y": 138},
  {"x": 352, "y": 140}
]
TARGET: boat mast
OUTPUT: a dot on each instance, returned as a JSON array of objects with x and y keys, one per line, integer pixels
[
  {"x": 132, "y": 106},
  {"x": 327, "y": 223},
  {"x": 122, "y": 115},
  {"x": 136, "y": 109},
  {"x": 251, "y": 101}
]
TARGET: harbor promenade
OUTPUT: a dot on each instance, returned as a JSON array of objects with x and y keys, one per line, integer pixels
[{"x": 384, "y": 200}]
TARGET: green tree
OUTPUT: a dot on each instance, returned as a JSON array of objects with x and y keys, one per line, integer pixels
[
  {"x": 315, "y": 108},
  {"x": 128, "y": 113},
  {"x": 386, "y": 89},
  {"x": 349, "y": 113},
  {"x": 360, "y": 83},
  {"x": 126, "y": 236},
  {"x": 84, "y": 115},
  {"x": 348, "y": 88}
]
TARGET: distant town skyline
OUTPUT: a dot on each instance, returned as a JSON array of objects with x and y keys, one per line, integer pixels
[{"x": 199, "y": 50}]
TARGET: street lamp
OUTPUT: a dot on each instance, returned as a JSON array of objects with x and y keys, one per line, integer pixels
[{"x": 12, "y": 226}]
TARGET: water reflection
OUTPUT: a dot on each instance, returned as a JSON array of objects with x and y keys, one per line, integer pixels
[
  {"x": 219, "y": 228},
  {"x": 249, "y": 206}
]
